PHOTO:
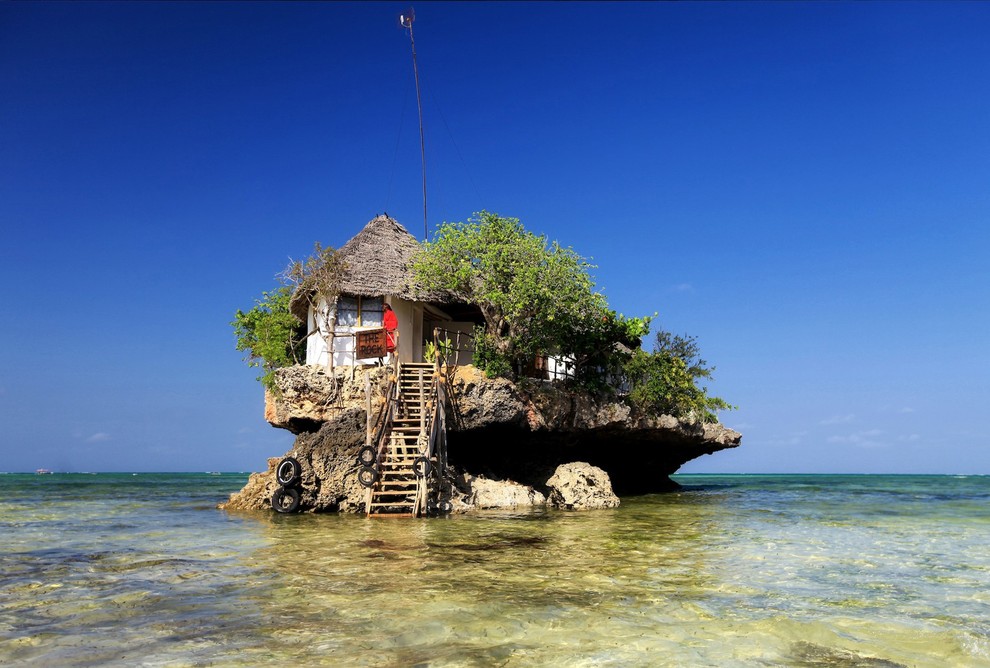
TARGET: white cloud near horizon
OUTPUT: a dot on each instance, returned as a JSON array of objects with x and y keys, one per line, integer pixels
[
  {"x": 839, "y": 419},
  {"x": 862, "y": 439},
  {"x": 795, "y": 438},
  {"x": 98, "y": 437}
]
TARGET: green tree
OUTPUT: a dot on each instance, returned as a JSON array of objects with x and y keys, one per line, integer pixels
[
  {"x": 270, "y": 335},
  {"x": 535, "y": 296},
  {"x": 317, "y": 280},
  {"x": 666, "y": 381}
]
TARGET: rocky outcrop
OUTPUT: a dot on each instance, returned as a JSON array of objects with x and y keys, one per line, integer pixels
[
  {"x": 328, "y": 463},
  {"x": 523, "y": 431},
  {"x": 512, "y": 437},
  {"x": 484, "y": 493},
  {"x": 305, "y": 397},
  {"x": 581, "y": 486}
]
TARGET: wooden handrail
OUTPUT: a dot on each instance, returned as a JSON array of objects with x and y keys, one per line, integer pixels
[{"x": 383, "y": 421}]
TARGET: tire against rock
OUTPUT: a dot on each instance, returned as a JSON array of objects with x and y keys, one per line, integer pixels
[
  {"x": 422, "y": 466},
  {"x": 367, "y": 456},
  {"x": 288, "y": 472},
  {"x": 368, "y": 476},
  {"x": 285, "y": 500}
]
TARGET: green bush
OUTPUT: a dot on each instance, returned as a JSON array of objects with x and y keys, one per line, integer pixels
[
  {"x": 270, "y": 335},
  {"x": 534, "y": 294},
  {"x": 488, "y": 357},
  {"x": 665, "y": 382}
]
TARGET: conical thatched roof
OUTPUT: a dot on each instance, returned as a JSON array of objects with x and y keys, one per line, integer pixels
[{"x": 378, "y": 262}]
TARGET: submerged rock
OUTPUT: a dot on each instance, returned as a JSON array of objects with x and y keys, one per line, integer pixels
[{"x": 484, "y": 493}]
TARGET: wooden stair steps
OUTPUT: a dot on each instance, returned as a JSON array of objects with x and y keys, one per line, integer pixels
[{"x": 396, "y": 494}]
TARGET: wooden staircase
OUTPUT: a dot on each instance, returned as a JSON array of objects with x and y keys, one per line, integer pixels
[{"x": 399, "y": 492}]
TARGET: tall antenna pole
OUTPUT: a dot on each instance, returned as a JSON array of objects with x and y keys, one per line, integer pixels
[{"x": 406, "y": 20}]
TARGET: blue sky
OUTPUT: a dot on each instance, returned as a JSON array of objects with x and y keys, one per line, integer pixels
[{"x": 804, "y": 187}]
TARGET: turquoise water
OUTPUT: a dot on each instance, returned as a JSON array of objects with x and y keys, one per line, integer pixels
[{"x": 846, "y": 571}]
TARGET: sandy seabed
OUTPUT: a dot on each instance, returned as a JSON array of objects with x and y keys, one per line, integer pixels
[{"x": 127, "y": 570}]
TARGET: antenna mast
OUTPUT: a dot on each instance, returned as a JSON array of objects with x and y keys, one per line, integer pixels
[{"x": 406, "y": 20}]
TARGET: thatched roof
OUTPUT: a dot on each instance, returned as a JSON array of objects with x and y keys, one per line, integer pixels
[{"x": 378, "y": 262}]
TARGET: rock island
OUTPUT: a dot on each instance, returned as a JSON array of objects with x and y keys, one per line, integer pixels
[{"x": 480, "y": 370}]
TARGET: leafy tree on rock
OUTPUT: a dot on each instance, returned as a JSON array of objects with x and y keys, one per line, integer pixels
[
  {"x": 666, "y": 381},
  {"x": 270, "y": 335},
  {"x": 536, "y": 296}
]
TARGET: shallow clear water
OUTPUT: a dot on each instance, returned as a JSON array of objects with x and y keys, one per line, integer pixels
[{"x": 844, "y": 571}]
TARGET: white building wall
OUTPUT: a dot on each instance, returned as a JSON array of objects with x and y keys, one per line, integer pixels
[
  {"x": 410, "y": 347},
  {"x": 316, "y": 344},
  {"x": 405, "y": 313}
]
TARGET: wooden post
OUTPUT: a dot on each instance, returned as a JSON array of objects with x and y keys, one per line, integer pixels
[
  {"x": 422, "y": 403},
  {"x": 367, "y": 407}
]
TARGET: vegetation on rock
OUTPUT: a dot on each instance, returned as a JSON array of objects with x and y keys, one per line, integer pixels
[
  {"x": 536, "y": 297},
  {"x": 270, "y": 335},
  {"x": 666, "y": 380}
]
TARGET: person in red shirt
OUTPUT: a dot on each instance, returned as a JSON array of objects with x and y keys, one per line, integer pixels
[{"x": 391, "y": 324}]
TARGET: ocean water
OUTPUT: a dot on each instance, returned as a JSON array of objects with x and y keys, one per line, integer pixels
[{"x": 843, "y": 571}]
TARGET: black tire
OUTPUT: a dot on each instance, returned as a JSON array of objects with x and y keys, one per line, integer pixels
[
  {"x": 287, "y": 472},
  {"x": 422, "y": 466},
  {"x": 445, "y": 507},
  {"x": 368, "y": 476},
  {"x": 285, "y": 500},
  {"x": 367, "y": 456}
]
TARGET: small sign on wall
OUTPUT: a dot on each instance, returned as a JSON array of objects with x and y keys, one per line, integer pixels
[{"x": 371, "y": 343}]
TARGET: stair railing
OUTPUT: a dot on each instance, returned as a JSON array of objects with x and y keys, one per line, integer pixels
[
  {"x": 435, "y": 433},
  {"x": 384, "y": 422}
]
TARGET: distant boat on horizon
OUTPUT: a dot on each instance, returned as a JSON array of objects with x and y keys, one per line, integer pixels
[{"x": 43, "y": 472}]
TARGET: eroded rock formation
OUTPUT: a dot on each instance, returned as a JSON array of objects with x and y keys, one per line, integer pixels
[
  {"x": 581, "y": 486},
  {"x": 511, "y": 437}
]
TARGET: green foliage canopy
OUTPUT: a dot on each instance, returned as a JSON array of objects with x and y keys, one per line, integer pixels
[
  {"x": 535, "y": 296},
  {"x": 666, "y": 381},
  {"x": 270, "y": 335}
]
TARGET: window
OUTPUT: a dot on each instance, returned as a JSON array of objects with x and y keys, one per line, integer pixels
[
  {"x": 359, "y": 311},
  {"x": 371, "y": 311}
]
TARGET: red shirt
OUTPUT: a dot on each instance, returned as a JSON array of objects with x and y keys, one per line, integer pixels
[
  {"x": 391, "y": 324},
  {"x": 390, "y": 321}
]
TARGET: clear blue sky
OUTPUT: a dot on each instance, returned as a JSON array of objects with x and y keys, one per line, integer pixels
[{"x": 804, "y": 187}]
